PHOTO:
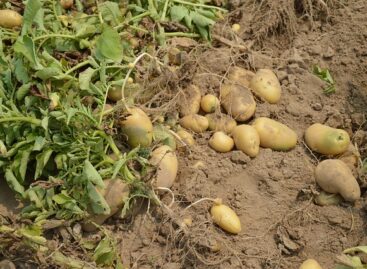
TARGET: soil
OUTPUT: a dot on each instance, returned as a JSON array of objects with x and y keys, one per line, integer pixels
[{"x": 272, "y": 193}]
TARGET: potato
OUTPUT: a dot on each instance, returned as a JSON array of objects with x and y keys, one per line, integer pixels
[
  {"x": 116, "y": 192},
  {"x": 225, "y": 218},
  {"x": 351, "y": 158},
  {"x": 275, "y": 135},
  {"x": 325, "y": 199},
  {"x": 246, "y": 139},
  {"x": 137, "y": 128},
  {"x": 195, "y": 123},
  {"x": 186, "y": 137},
  {"x": 10, "y": 18},
  {"x": 167, "y": 166},
  {"x": 334, "y": 176},
  {"x": 221, "y": 142},
  {"x": 66, "y": 4},
  {"x": 189, "y": 102},
  {"x": 310, "y": 264},
  {"x": 221, "y": 122},
  {"x": 265, "y": 85},
  {"x": 130, "y": 92},
  {"x": 326, "y": 140},
  {"x": 209, "y": 103},
  {"x": 238, "y": 101},
  {"x": 241, "y": 76}
]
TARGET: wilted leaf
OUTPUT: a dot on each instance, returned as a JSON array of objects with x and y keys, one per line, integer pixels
[
  {"x": 22, "y": 91},
  {"x": 178, "y": 13},
  {"x": 92, "y": 175},
  {"x": 109, "y": 45},
  {"x": 31, "y": 9},
  {"x": 13, "y": 182},
  {"x": 42, "y": 159},
  {"x": 25, "y": 46},
  {"x": 20, "y": 71},
  {"x": 48, "y": 72},
  {"x": 98, "y": 203},
  {"x": 200, "y": 20},
  {"x": 104, "y": 252},
  {"x": 111, "y": 12},
  {"x": 85, "y": 78}
]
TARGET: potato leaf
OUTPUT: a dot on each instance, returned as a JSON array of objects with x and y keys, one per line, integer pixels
[
  {"x": 25, "y": 46},
  {"x": 22, "y": 91},
  {"x": 178, "y": 13},
  {"x": 20, "y": 71},
  {"x": 104, "y": 253},
  {"x": 97, "y": 202},
  {"x": 92, "y": 175},
  {"x": 111, "y": 12},
  {"x": 48, "y": 72},
  {"x": 200, "y": 20},
  {"x": 42, "y": 159},
  {"x": 31, "y": 9},
  {"x": 13, "y": 182},
  {"x": 109, "y": 45}
]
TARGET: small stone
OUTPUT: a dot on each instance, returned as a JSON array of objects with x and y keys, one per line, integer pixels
[
  {"x": 358, "y": 119},
  {"x": 282, "y": 75},
  {"x": 315, "y": 50},
  {"x": 293, "y": 109},
  {"x": 316, "y": 106},
  {"x": 329, "y": 53},
  {"x": 276, "y": 175},
  {"x": 294, "y": 69},
  {"x": 293, "y": 89},
  {"x": 239, "y": 157},
  {"x": 146, "y": 242}
]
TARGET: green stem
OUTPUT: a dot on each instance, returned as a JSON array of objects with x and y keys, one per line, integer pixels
[
  {"x": 163, "y": 17},
  {"x": 110, "y": 142},
  {"x": 199, "y": 5},
  {"x": 137, "y": 17},
  {"x": 182, "y": 34},
  {"x": 80, "y": 65},
  {"x": 54, "y": 35},
  {"x": 25, "y": 119}
]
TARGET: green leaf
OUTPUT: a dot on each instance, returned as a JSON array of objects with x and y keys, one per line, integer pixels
[
  {"x": 97, "y": 201},
  {"x": 20, "y": 71},
  {"x": 111, "y": 12},
  {"x": 200, "y": 20},
  {"x": 38, "y": 19},
  {"x": 25, "y": 46},
  {"x": 24, "y": 163},
  {"x": 48, "y": 72},
  {"x": 62, "y": 198},
  {"x": 178, "y": 13},
  {"x": 22, "y": 91},
  {"x": 109, "y": 46},
  {"x": 356, "y": 249},
  {"x": 85, "y": 78},
  {"x": 188, "y": 22},
  {"x": 92, "y": 175},
  {"x": 42, "y": 159},
  {"x": 13, "y": 182},
  {"x": 44, "y": 123},
  {"x": 39, "y": 143},
  {"x": 104, "y": 253},
  {"x": 31, "y": 9},
  {"x": 204, "y": 32}
]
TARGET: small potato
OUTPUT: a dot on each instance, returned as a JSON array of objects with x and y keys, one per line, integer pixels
[
  {"x": 221, "y": 142},
  {"x": 326, "y": 140},
  {"x": 310, "y": 264},
  {"x": 195, "y": 123},
  {"x": 209, "y": 103},
  {"x": 137, "y": 128},
  {"x": 116, "y": 192},
  {"x": 326, "y": 199},
  {"x": 246, "y": 139},
  {"x": 10, "y": 18},
  {"x": 265, "y": 85},
  {"x": 66, "y": 4},
  {"x": 225, "y": 218},
  {"x": 189, "y": 102},
  {"x": 186, "y": 137},
  {"x": 130, "y": 92},
  {"x": 275, "y": 135},
  {"x": 167, "y": 166},
  {"x": 238, "y": 101},
  {"x": 241, "y": 76},
  {"x": 221, "y": 122},
  {"x": 334, "y": 176}
]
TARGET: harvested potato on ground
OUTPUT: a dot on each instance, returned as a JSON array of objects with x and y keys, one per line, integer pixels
[
  {"x": 189, "y": 101},
  {"x": 66, "y": 4},
  {"x": 221, "y": 142},
  {"x": 116, "y": 192},
  {"x": 265, "y": 85},
  {"x": 325, "y": 199},
  {"x": 351, "y": 158},
  {"x": 209, "y": 103},
  {"x": 195, "y": 123},
  {"x": 167, "y": 166},
  {"x": 130, "y": 92},
  {"x": 240, "y": 76},
  {"x": 238, "y": 101},
  {"x": 137, "y": 128},
  {"x": 10, "y": 18},
  {"x": 326, "y": 140},
  {"x": 246, "y": 139},
  {"x": 221, "y": 122},
  {"x": 225, "y": 218},
  {"x": 310, "y": 264},
  {"x": 274, "y": 134},
  {"x": 334, "y": 176},
  {"x": 186, "y": 137}
]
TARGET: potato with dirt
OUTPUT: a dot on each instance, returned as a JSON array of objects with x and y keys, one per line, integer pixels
[
  {"x": 116, "y": 192},
  {"x": 195, "y": 123},
  {"x": 326, "y": 140},
  {"x": 246, "y": 139},
  {"x": 240, "y": 76},
  {"x": 310, "y": 264},
  {"x": 238, "y": 101},
  {"x": 275, "y": 135},
  {"x": 221, "y": 142},
  {"x": 266, "y": 86},
  {"x": 10, "y": 18},
  {"x": 334, "y": 176},
  {"x": 189, "y": 101},
  {"x": 225, "y": 217},
  {"x": 186, "y": 137},
  {"x": 165, "y": 159},
  {"x": 209, "y": 103},
  {"x": 221, "y": 122},
  {"x": 137, "y": 128}
]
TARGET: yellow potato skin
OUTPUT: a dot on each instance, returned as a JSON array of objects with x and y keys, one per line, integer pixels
[
  {"x": 274, "y": 134},
  {"x": 310, "y": 264},
  {"x": 10, "y": 18},
  {"x": 247, "y": 139},
  {"x": 221, "y": 122},
  {"x": 326, "y": 140},
  {"x": 334, "y": 176},
  {"x": 189, "y": 102},
  {"x": 265, "y": 85},
  {"x": 137, "y": 128},
  {"x": 186, "y": 137},
  {"x": 238, "y": 101},
  {"x": 240, "y": 76},
  {"x": 221, "y": 142},
  {"x": 209, "y": 103},
  {"x": 195, "y": 123},
  {"x": 167, "y": 166},
  {"x": 225, "y": 218}
]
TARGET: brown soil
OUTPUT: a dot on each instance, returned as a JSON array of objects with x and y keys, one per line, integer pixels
[{"x": 272, "y": 193}]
